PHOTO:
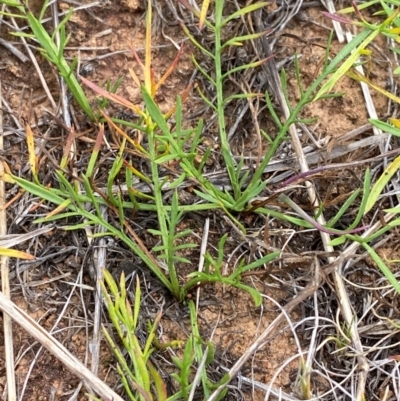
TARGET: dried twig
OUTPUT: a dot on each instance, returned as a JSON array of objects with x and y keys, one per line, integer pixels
[{"x": 5, "y": 283}]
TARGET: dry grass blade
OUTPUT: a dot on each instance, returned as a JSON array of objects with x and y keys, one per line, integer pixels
[
  {"x": 99, "y": 262},
  {"x": 92, "y": 382},
  {"x": 203, "y": 251},
  {"x": 5, "y": 283},
  {"x": 10, "y": 241},
  {"x": 14, "y": 50}
]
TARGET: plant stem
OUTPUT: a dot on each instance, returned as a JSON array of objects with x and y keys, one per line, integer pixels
[
  {"x": 225, "y": 148},
  {"x": 160, "y": 207}
]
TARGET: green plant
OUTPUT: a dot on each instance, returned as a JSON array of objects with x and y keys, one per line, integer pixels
[
  {"x": 174, "y": 149},
  {"x": 138, "y": 375},
  {"x": 196, "y": 353},
  {"x": 134, "y": 366},
  {"x": 212, "y": 272},
  {"x": 246, "y": 187},
  {"x": 390, "y": 28},
  {"x": 53, "y": 53}
]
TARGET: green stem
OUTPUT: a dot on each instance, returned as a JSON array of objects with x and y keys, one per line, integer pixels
[
  {"x": 173, "y": 277},
  {"x": 306, "y": 98},
  {"x": 225, "y": 148}
]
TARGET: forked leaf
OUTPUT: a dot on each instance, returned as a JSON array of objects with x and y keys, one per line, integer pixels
[{"x": 381, "y": 183}]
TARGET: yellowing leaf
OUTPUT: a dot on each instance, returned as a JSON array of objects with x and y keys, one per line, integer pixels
[
  {"x": 134, "y": 77},
  {"x": 170, "y": 69},
  {"x": 12, "y": 253},
  {"x": 7, "y": 178},
  {"x": 381, "y": 183},
  {"x": 31, "y": 150},
  {"x": 59, "y": 208},
  {"x": 394, "y": 30},
  {"x": 394, "y": 122},
  {"x": 203, "y": 13},
  {"x": 137, "y": 172},
  {"x": 345, "y": 67},
  {"x": 361, "y": 78}
]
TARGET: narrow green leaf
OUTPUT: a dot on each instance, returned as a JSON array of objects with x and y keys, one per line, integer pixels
[
  {"x": 257, "y": 263},
  {"x": 236, "y": 41},
  {"x": 385, "y": 127},
  {"x": 176, "y": 183},
  {"x": 381, "y": 183},
  {"x": 361, "y": 40},
  {"x": 252, "y": 291},
  {"x": 161, "y": 387},
  {"x": 243, "y": 11},
  {"x": 384, "y": 269},
  {"x": 338, "y": 241}
]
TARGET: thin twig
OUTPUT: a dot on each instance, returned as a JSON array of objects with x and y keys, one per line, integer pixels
[
  {"x": 12, "y": 49},
  {"x": 99, "y": 261},
  {"x": 5, "y": 283}
]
